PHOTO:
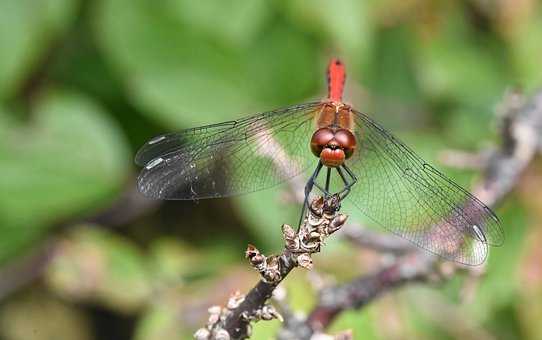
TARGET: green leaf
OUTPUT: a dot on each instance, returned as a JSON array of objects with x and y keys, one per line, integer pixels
[
  {"x": 240, "y": 20},
  {"x": 347, "y": 24},
  {"x": 181, "y": 74},
  {"x": 27, "y": 29},
  {"x": 456, "y": 63},
  {"x": 68, "y": 159},
  {"x": 526, "y": 52}
]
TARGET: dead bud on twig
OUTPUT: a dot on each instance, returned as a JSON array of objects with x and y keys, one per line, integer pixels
[
  {"x": 321, "y": 221},
  {"x": 214, "y": 329}
]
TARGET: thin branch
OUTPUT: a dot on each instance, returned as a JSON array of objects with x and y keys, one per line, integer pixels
[
  {"x": 233, "y": 320},
  {"x": 416, "y": 267}
]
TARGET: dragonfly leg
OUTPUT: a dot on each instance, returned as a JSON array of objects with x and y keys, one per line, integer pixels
[
  {"x": 348, "y": 183},
  {"x": 322, "y": 189},
  {"x": 328, "y": 177},
  {"x": 325, "y": 189},
  {"x": 350, "y": 173},
  {"x": 308, "y": 188}
]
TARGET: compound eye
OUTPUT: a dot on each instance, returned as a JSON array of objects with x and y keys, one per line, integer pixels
[
  {"x": 346, "y": 140},
  {"x": 320, "y": 139}
]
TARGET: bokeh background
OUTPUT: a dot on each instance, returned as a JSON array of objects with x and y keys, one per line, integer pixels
[{"x": 84, "y": 83}]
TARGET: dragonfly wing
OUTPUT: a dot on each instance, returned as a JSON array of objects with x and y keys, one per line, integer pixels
[
  {"x": 401, "y": 192},
  {"x": 170, "y": 143},
  {"x": 230, "y": 158}
]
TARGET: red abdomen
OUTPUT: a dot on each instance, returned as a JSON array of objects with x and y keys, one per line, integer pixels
[{"x": 335, "y": 77}]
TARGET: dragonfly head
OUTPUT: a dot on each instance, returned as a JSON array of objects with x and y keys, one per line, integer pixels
[{"x": 333, "y": 145}]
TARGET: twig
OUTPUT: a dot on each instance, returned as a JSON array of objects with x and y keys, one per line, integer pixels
[
  {"x": 521, "y": 134},
  {"x": 416, "y": 267},
  {"x": 233, "y": 320},
  {"x": 522, "y": 137}
]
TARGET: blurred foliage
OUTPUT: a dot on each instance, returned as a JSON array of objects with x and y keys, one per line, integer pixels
[
  {"x": 84, "y": 83},
  {"x": 68, "y": 157}
]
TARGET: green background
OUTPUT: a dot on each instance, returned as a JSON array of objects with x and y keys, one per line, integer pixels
[{"x": 83, "y": 84}]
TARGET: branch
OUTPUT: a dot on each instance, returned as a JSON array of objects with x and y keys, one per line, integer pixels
[
  {"x": 233, "y": 320},
  {"x": 415, "y": 267},
  {"x": 521, "y": 133}
]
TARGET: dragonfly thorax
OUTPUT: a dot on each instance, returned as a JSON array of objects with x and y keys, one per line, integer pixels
[{"x": 333, "y": 145}]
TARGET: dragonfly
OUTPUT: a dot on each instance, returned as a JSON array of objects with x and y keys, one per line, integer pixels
[{"x": 379, "y": 174}]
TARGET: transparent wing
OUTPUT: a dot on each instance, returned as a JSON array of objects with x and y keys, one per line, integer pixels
[
  {"x": 230, "y": 158},
  {"x": 401, "y": 192}
]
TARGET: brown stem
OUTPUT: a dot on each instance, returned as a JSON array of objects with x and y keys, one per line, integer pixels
[
  {"x": 233, "y": 321},
  {"x": 239, "y": 327}
]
